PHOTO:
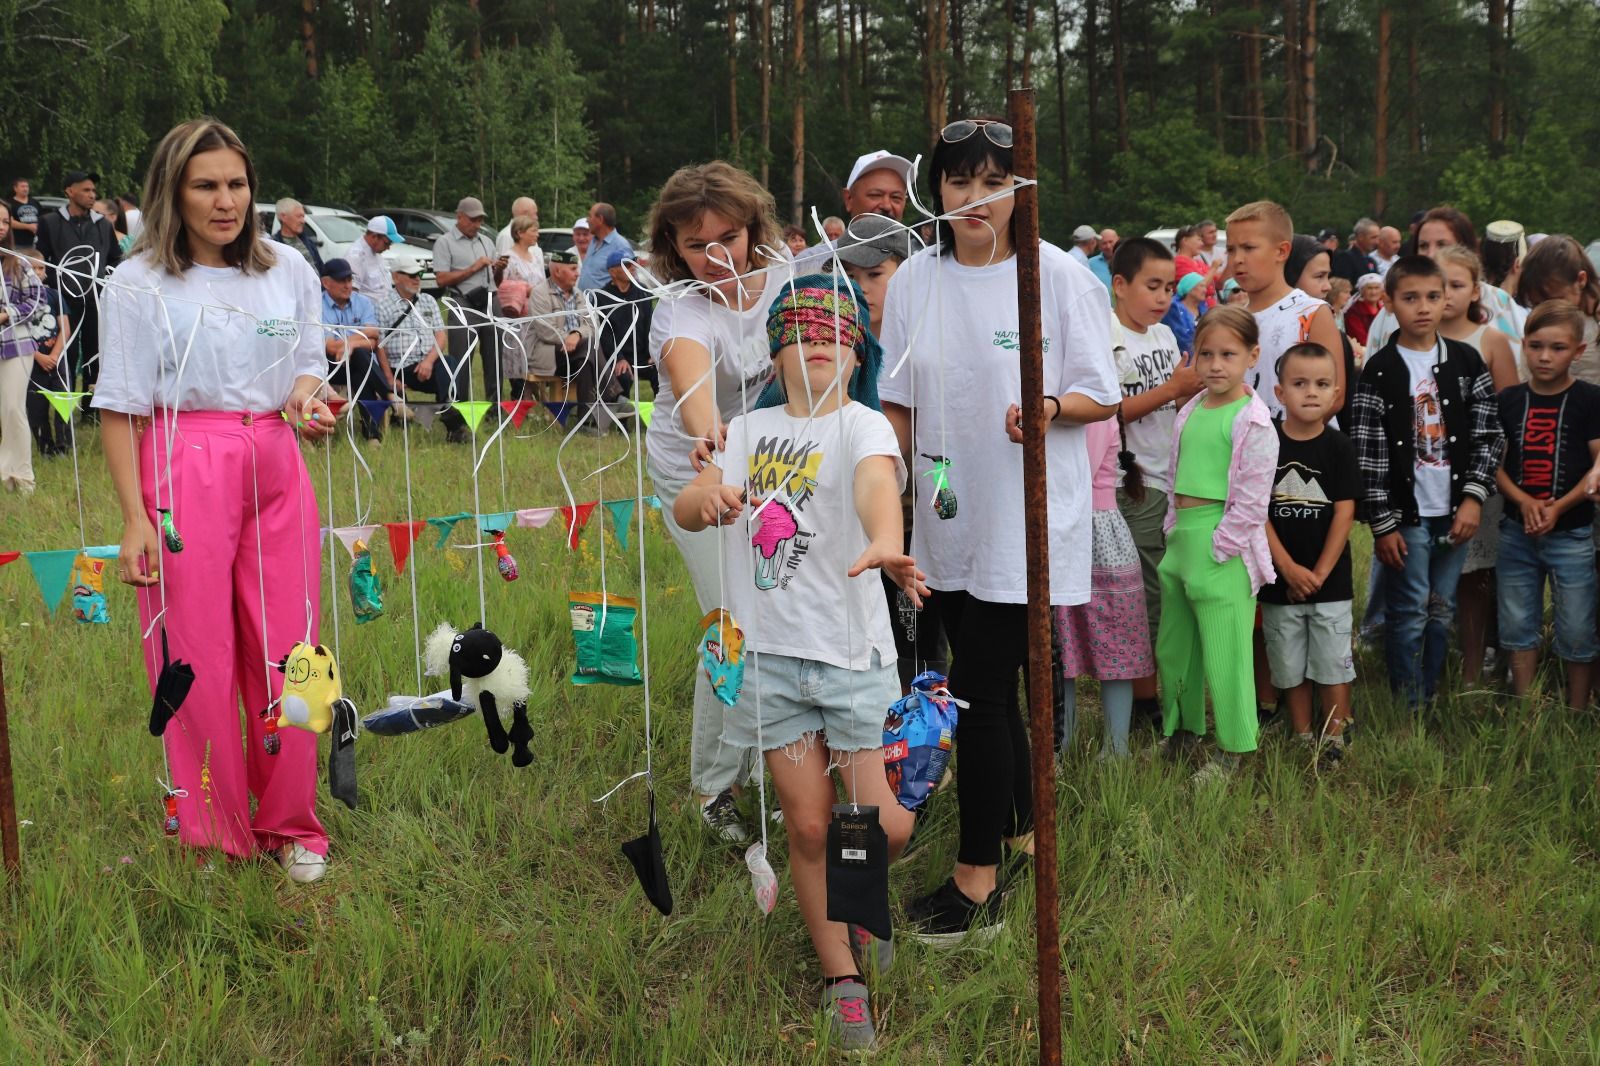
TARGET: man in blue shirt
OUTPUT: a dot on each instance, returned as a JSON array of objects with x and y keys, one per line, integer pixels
[
  {"x": 606, "y": 239},
  {"x": 350, "y": 332}
]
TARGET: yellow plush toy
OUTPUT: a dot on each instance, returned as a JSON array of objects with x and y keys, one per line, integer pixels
[{"x": 310, "y": 688}]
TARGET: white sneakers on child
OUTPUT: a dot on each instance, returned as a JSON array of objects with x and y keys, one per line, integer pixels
[{"x": 301, "y": 863}]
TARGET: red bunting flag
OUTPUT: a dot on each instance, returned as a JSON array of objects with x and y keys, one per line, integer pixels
[
  {"x": 336, "y": 405},
  {"x": 517, "y": 409},
  {"x": 9, "y": 557},
  {"x": 576, "y": 520},
  {"x": 401, "y": 535}
]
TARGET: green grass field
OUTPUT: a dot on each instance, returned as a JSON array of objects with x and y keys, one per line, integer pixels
[{"x": 1436, "y": 901}]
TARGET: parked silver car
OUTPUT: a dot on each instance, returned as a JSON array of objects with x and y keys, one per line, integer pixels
[{"x": 336, "y": 229}]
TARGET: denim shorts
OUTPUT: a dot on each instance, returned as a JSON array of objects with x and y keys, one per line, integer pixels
[
  {"x": 797, "y": 697},
  {"x": 1567, "y": 557},
  {"x": 1308, "y": 642}
]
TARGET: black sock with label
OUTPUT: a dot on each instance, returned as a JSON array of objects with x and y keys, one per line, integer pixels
[{"x": 858, "y": 869}]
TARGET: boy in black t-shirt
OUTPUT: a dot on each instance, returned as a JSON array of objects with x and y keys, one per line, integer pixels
[
  {"x": 1305, "y": 614},
  {"x": 1549, "y": 476}
]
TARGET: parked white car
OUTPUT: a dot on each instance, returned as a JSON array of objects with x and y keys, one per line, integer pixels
[{"x": 336, "y": 229}]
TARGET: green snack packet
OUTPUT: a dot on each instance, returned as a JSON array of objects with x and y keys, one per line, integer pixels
[
  {"x": 366, "y": 595},
  {"x": 602, "y": 629}
]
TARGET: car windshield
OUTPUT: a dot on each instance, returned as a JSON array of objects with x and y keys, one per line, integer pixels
[{"x": 341, "y": 229}]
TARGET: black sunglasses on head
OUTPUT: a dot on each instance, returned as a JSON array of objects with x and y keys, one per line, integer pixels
[{"x": 999, "y": 133}]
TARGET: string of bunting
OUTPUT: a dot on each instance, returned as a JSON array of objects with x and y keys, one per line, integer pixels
[{"x": 52, "y": 569}]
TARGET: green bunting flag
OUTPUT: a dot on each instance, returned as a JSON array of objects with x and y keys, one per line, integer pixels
[
  {"x": 621, "y": 515},
  {"x": 495, "y": 523},
  {"x": 645, "y": 409},
  {"x": 473, "y": 411},
  {"x": 63, "y": 402},
  {"x": 52, "y": 571},
  {"x": 445, "y": 523}
]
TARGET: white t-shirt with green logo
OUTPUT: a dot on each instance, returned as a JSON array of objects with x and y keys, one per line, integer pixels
[
  {"x": 951, "y": 351},
  {"x": 1150, "y": 359}
]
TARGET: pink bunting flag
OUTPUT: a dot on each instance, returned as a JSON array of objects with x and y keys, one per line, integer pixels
[
  {"x": 576, "y": 519},
  {"x": 535, "y": 517}
]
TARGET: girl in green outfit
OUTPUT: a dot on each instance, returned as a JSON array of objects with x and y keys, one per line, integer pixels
[{"x": 1224, "y": 457}]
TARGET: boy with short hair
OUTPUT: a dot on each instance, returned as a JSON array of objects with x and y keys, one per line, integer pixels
[
  {"x": 1156, "y": 380},
  {"x": 1306, "y": 612},
  {"x": 1428, "y": 439},
  {"x": 1550, "y": 470},
  {"x": 1259, "y": 236}
]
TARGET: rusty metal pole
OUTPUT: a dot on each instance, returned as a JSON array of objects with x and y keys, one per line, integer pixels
[
  {"x": 11, "y": 846},
  {"x": 1036, "y": 527}
]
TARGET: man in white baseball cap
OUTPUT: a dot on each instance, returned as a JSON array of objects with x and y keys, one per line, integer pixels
[
  {"x": 1084, "y": 242},
  {"x": 878, "y": 186},
  {"x": 365, "y": 256}
]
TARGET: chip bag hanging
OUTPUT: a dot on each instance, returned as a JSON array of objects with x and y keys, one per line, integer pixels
[
  {"x": 89, "y": 590},
  {"x": 366, "y": 594},
  {"x": 917, "y": 737},
  {"x": 944, "y": 497},
  {"x": 602, "y": 629},
  {"x": 722, "y": 655}
]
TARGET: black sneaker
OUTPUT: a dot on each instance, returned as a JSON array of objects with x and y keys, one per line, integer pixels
[
  {"x": 1331, "y": 755},
  {"x": 946, "y": 917},
  {"x": 721, "y": 818}
]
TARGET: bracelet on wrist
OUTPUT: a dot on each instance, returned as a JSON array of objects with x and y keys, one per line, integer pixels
[{"x": 1057, "y": 401}]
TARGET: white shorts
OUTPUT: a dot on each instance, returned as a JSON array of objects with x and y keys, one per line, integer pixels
[{"x": 1308, "y": 641}]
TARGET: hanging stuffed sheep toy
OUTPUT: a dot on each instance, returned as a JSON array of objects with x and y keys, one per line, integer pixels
[{"x": 483, "y": 673}]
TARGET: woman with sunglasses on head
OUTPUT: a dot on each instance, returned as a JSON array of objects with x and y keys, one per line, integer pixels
[{"x": 950, "y": 336}]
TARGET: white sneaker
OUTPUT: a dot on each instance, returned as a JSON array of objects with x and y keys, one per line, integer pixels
[{"x": 301, "y": 863}]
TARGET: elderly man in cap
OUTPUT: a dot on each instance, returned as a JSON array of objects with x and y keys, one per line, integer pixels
[
  {"x": 365, "y": 255},
  {"x": 1084, "y": 242},
  {"x": 412, "y": 341},
  {"x": 581, "y": 239},
  {"x": 607, "y": 240},
  {"x": 626, "y": 313},
  {"x": 563, "y": 331},
  {"x": 350, "y": 340},
  {"x": 877, "y": 185},
  {"x": 79, "y": 240},
  {"x": 463, "y": 263}
]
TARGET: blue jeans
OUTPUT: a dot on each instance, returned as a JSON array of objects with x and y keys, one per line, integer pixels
[
  {"x": 1567, "y": 557},
  {"x": 1422, "y": 604}
]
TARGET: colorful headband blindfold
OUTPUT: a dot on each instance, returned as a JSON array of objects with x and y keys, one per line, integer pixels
[{"x": 815, "y": 312}]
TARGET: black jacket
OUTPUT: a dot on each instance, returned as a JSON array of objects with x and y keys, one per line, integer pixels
[
  {"x": 1383, "y": 429},
  {"x": 75, "y": 239}
]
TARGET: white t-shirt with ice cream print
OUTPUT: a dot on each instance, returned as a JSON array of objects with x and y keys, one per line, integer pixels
[{"x": 786, "y": 558}]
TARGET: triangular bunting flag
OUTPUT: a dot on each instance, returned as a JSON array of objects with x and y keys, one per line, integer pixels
[
  {"x": 336, "y": 405},
  {"x": 323, "y": 543},
  {"x": 103, "y": 551},
  {"x": 401, "y": 534},
  {"x": 444, "y": 524},
  {"x": 374, "y": 408},
  {"x": 621, "y": 515},
  {"x": 425, "y": 412},
  {"x": 473, "y": 411},
  {"x": 535, "y": 517},
  {"x": 517, "y": 409},
  {"x": 9, "y": 557},
  {"x": 645, "y": 409},
  {"x": 495, "y": 523},
  {"x": 51, "y": 571},
  {"x": 576, "y": 520},
  {"x": 653, "y": 502},
  {"x": 348, "y": 535},
  {"x": 559, "y": 410},
  {"x": 64, "y": 403}
]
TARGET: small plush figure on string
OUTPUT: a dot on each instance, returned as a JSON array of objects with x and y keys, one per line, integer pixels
[
  {"x": 169, "y": 532},
  {"x": 311, "y": 689},
  {"x": 169, "y": 824},
  {"x": 944, "y": 497},
  {"x": 366, "y": 594},
  {"x": 722, "y": 655},
  {"x": 504, "y": 560},
  {"x": 483, "y": 673}
]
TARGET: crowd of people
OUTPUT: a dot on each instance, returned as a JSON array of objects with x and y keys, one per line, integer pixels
[{"x": 1221, "y": 412}]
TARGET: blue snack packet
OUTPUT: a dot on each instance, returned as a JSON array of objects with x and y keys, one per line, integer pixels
[{"x": 917, "y": 738}]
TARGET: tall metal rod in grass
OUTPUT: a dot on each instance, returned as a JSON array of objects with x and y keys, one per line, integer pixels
[
  {"x": 8, "y": 799},
  {"x": 1036, "y": 529}
]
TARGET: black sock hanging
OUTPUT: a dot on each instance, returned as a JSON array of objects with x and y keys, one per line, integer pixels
[
  {"x": 342, "y": 754},
  {"x": 172, "y": 688},
  {"x": 858, "y": 869},
  {"x": 645, "y": 854}
]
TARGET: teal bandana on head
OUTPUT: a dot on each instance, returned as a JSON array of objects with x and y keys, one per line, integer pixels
[{"x": 822, "y": 307}]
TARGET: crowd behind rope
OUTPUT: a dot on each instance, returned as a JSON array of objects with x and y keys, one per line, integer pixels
[{"x": 1222, "y": 411}]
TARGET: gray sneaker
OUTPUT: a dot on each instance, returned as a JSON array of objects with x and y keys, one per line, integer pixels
[
  {"x": 870, "y": 952},
  {"x": 849, "y": 1013},
  {"x": 721, "y": 817}
]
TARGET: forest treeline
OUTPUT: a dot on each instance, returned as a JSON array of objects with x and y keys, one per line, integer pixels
[{"x": 1151, "y": 111}]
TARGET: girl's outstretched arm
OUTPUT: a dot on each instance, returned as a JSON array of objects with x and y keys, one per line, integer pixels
[
  {"x": 878, "y": 506},
  {"x": 706, "y": 501}
]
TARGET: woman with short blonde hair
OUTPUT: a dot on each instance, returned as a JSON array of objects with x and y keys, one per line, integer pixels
[{"x": 212, "y": 359}]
